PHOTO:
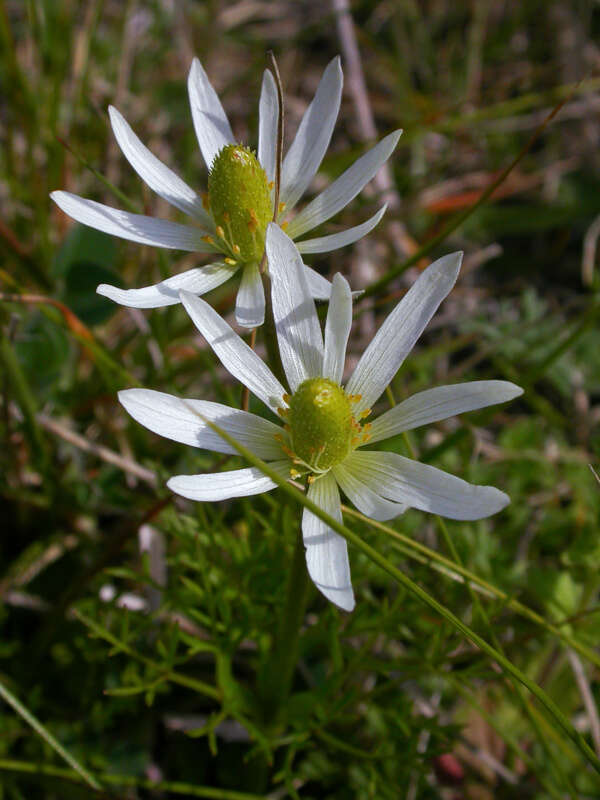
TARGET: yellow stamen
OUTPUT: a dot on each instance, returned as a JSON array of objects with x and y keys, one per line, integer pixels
[{"x": 230, "y": 261}]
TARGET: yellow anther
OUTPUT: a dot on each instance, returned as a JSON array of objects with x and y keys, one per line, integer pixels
[
  {"x": 355, "y": 440},
  {"x": 208, "y": 239},
  {"x": 220, "y": 232},
  {"x": 283, "y": 412},
  {"x": 355, "y": 398},
  {"x": 271, "y": 184},
  {"x": 205, "y": 202},
  {"x": 230, "y": 261},
  {"x": 280, "y": 207},
  {"x": 236, "y": 249},
  {"x": 284, "y": 225},
  {"x": 367, "y": 426},
  {"x": 366, "y": 437},
  {"x": 311, "y": 479},
  {"x": 253, "y": 222},
  {"x": 278, "y": 437},
  {"x": 286, "y": 398},
  {"x": 365, "y": 413},
  {"x": 295, "y": 474}
]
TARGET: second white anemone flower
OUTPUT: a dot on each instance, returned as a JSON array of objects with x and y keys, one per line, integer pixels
[
  {"x": 231, "y": 218},
  {"x": 325, "y": 423}
]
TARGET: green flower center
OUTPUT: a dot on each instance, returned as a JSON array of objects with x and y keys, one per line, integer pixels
[
  {"x": 240, "y": 202},
  {"x": 321, "y": 424}
]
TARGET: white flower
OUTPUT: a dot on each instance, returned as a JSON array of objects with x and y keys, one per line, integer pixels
[
  {"x": 211, "y": 232},
  {"x": 325, "y": 428}
]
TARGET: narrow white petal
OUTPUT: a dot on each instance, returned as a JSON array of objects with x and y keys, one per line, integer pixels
[
  {"x": 213, "y": 486},
  {"x": 210, "y": 121},
  {"x": 398, "y": 334},
  {"x": 441, "y": 403},
  {"x": 364, "y": 496},
  {"x": 427, "y": 488},
  {"x": 135, "y": 227},
  {"x": 327, "y": 551},
  {"x": 250, "y": 303},
  {"x": 239, "y": 359},
  {"x": 337, "y": 329},
  {"x": 157, "y": 175},
  {"x": 268, "y": 116},
  {"x": 324, "y": 244},
  {"x": 345, "y": 188},
  {"x": 182, "y": 420},
  {"x": 312, "y": 138},
  {"x": 298, "y": 330},
  {"x": 318, "y": 286},
  {"x": 166, "y": 293}
]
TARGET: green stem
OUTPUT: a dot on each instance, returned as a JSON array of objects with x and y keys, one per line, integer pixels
[
  {"x": 279, "y": 671},
  {"x": 545, "y": 699},
  {"x": 418, "y": 551},
  {"x": 173, "y": 787},
  {"x": 37, "y": 726},
  {"x": 478, "y": 606}
]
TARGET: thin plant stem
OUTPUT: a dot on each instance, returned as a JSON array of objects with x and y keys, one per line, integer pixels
[
  {"x": 169, "y": 674},
  {"x": 45, "y": 734},
  {"x": 284, "y": 655},
  {"x": 109, "y": 779},
  {"x": 478, "y": 606},
  {"x": 414, "y": 588}
]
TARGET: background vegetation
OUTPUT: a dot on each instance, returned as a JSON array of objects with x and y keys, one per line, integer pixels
[{"x": 137, "y": 627}]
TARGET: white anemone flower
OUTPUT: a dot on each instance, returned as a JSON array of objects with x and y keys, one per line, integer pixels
[
  {"x": 232, "y": 216},
  {"x": 325, "y": 428}
]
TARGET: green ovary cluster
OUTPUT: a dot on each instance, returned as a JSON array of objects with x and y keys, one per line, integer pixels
[
  {"x": 240, "y": 202},
  {"x": 321, "y": 423}
]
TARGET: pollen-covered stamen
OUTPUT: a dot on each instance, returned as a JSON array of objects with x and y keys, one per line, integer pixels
[{"x": 240, "y": 201}]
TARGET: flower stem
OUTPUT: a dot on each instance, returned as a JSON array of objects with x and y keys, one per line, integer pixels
[{"x": 277, "y": 677}]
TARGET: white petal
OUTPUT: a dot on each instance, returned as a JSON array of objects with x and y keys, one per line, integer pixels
[
  {"x": 343, "y": 189},
  {"x": 398, "y": 334},
  {"x": 210, "y": 121},
  {"x": 441, "y": 403},
  {"x": 337, "y": 329},
  {"x": 166, "y": 293},
  {"x": 239, "y": 359},
  {"x": 312, "y": 138},
  {"x": 298, "y": 330},
  {"x": 427, "y": 488},
  {"x": 324, "y": 244},
  {"x": 268, "y": 116},
  {"x": 318, "y": 286},
  {"x": 250, "y": 303},
  {"x": 182, "y": 421},
  {"x": 135, "y": 227},
  {"x": 213, "y": 486},
  {"x": 366, "y": 498},
  {"x": 326, "y": 551},
  {"x": 157, "y": 175}
]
